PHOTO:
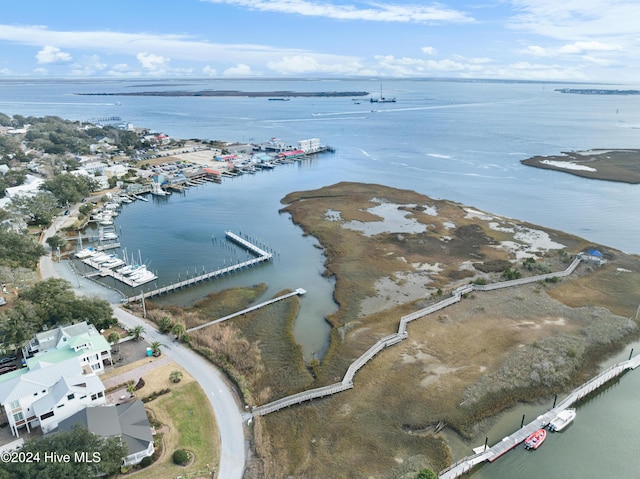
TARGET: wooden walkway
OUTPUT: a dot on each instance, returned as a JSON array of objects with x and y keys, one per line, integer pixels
[
  {"x": 297, "y": 292},
  {"x": 261, "y": 256},
  {"x": 506, "y": 444},
  {"x": 347, "y": 380}
]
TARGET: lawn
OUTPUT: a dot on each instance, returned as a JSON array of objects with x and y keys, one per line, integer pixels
[{"x": 190, "y": 423}]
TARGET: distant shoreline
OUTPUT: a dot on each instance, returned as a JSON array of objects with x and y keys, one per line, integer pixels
[
  {"x": 620, "y": 165},
  {"x": 235, "y": 93}
]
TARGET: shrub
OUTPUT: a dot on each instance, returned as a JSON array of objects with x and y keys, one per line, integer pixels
[
  {"x": 146, "y": 461},
  {"x": 181, "y": 457}
]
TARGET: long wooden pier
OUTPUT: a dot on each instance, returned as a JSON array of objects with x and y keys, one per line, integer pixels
[
  {"x": 297, "y": 292},
  {"x": 261, "y": 256}
]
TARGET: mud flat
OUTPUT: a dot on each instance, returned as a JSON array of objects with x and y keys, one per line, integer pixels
[{"x": 602, "y": 164}]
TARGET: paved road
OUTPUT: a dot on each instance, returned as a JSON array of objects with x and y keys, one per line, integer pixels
[{"x": 222, "y": 399}]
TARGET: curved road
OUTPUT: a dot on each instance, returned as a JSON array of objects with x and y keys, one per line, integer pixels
[{"x": 222, "y": 399}]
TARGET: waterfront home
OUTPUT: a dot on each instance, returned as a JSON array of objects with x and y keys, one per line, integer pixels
[
  {"x": 127, "y": 421},
  {"x": 43, "y": 394}
]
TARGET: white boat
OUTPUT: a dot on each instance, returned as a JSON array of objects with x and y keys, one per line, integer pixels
[
  {"x": 108, "y": 236},
  {"x": 562, "y": 420},
  {"x": 85, "y": 253},
  {"x": 113, "y": 263},
  {"x": 138, "y": 272},
  {"x": 101, "y": 258},
  {"x": 145, "y": 278},
  {"x": 382, "y": 99},
  {"x": 128, "y": 269}
]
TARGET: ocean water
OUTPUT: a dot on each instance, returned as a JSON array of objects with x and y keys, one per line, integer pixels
[{"x": 461, "y": 141}]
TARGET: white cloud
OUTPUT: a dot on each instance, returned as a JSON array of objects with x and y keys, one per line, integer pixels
[
  {"x": 537, "y": 51},
  {"x": 212, "y": 72},
  {"x": 379, "y": 12},
  {"x": 299, "y": 64},
  {"x": 5, "y": 72},
  {"x": 88, "y": 66},
  {"x": 580, "y": 47},
  {"x": 41, "y": 71},
  {"x": 152, "y": 62},
  {"x": 239, "y": 70},
  {"x": 429, "y": 50},
  {"x": 50, "y": 54}
]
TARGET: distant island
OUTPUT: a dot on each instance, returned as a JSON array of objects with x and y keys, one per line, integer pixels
[
  {"x": 258, "y": 94},
  {"x": 597, "y": 91},
  {"x": 610, "y": 165}
]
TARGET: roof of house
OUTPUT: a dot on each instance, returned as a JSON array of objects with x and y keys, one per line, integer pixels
[
  {"x": 33, "y": 381},
  {"x": 129, "y": 421}
]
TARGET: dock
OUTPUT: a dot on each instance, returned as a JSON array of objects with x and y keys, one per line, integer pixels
[
  {"x": 508, "y": 443},
  {"x": 297, "y": 292},
  {"x": 261, "y": 256}
]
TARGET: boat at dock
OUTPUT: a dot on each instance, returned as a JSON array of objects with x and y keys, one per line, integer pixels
[
  {"x": 382, "y": 99},
  {"x": 562, "y": 420},
  {"x": 535, "y": 439}
]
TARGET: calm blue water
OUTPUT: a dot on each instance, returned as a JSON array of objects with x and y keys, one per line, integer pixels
[{"x": 453, "y": 140}]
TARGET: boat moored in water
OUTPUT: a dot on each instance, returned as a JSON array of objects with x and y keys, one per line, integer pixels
[
  {"x": 562, "y": 420},
  {"x": 535, "y": 439}
]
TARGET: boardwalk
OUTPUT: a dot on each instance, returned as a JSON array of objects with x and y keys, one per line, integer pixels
[
  {"x": 347, "y": 380},
  {"x": 506, "y": 444},
  {"x": 261, "y": 257},
  {"x": 297, "y": 292}
]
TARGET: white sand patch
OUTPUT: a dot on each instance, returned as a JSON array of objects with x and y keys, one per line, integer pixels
[
  {"x": 568, "y": 165},
  {"x": 494, "y": 225},
  {"x": 449, "y": 224},
  {"x": 333, "y": 215},
  {"x": 430, "y": 210},
  {"x": 444, "y": 239},
  {"x": 430, "y": 268},
  {"x": 471, "y": 213},
  {"x": 466, "y": 266},
  {"x": 406, "y": 287},
  {"x": 623, "y": 270},
  {"x": 394, "y": 220},
  {"x": 434, "y": 373},
  {"x": 529, "y": 243},
  {"x": 556, "y": 322}
]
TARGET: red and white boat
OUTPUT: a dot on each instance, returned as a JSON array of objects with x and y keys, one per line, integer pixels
[{"x": 535, "y": 439}]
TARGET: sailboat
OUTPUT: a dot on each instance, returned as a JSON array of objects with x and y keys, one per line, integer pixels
[{"x": 382, "y": 99}]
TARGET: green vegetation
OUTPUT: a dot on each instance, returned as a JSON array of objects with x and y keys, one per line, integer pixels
[
  {"x": 18, "y": 250},
  {"x": 109, "y": 454},
  {"x": 39, "y": 208},
  {"x": 175, "y": 376},
  {"x": 69, "y": 189},
  {"x": 427, "y": 474},
  {"x": 181, "y": 457}
]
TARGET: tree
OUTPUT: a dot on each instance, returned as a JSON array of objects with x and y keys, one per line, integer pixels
[
  {"x": 427, "y": 474},
  {"x": 113, "y": 338},
  {"x": 178, "y": 330},
  {"x": 131, "y": 389},
  {"x": 175, "y": 376},
  {"x": 18, "y": 250},
  {"x": 110, "y": 452},
  {"x": 68, "y": 188},
  {"x": 39, "y": 208},
  {"x": 137, "y": 332},
  {"x": 155, "y": 348},
  {"x": 56, "y": 242},
  {"x": 165, "y": 324}
]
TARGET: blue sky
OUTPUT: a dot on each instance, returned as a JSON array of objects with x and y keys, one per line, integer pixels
[{"x": 572, "y": 40}]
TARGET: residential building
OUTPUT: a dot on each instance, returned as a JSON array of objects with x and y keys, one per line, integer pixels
[
  {"x": 127, "y": 421},
  {"x": 44, "y": 394},
  {"x": 81, "y": 341}
]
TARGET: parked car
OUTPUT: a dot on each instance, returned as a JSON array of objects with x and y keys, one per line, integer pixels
[{"x": 7, "y": 359}]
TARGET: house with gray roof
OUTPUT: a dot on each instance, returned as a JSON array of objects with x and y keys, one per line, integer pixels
[
  {"x": 43, "y": 394},
  {"x": 127, "y": 421}
]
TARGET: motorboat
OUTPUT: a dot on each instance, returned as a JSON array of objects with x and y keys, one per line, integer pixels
[
  {"x": 562, "y": 420},
  {"x": 535, "y": 439},
  {"x": 112, "y": 263},
  {"x": 86, "y": 253}
]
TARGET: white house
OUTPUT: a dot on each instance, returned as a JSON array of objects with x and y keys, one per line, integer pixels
[
  {"x": 44, "y": 395},
  {"x": 81, "y": 341}
]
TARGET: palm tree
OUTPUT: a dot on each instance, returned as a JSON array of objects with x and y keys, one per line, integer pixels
[
  {"x": 131, "y": 389},
  {"x": 113, "y": 338},
  {"x": 165, "y": 324},
  {"x": 178, "y": 330},
  {"x": 137, "y": 332},
  {"x": 155, "y": 348},
  {"x": 175, "y": 376}
]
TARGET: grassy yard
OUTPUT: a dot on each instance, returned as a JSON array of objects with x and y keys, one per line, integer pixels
[{"x": 190, "y": 424}]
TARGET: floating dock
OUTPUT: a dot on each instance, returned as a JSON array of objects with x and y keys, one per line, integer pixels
[{"x": 261, "y": 257}]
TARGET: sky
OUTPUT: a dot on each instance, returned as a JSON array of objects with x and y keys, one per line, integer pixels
[{"x": 554, "y": 40}]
